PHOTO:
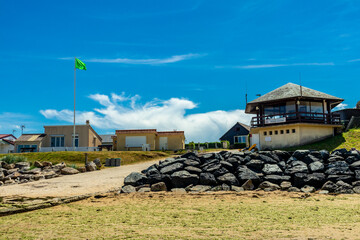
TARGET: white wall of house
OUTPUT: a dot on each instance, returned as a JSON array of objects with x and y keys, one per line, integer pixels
[{"x": 6, "y": 147}]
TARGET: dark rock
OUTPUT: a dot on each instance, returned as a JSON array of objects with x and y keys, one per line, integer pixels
[
  {"x": 268, "y": 186},
  {"x": 98, "y": 163},
  {"x": 248, "y": 185},
  {"x": 160, "y": 186},
  {"x": 211, "y": 167},
  {"x": 299, "y": 179},
  {"x": 283, "y": 155},
  {"x": 343, "y": 188},
  {"x": 296, "y": 167},
  {"x": 234, "y": 162},
  {"x": 192, "y": 169},
  {"x": 345, "y": 178},
  {"x": 227, "y": 165},
  {"x": 316, "y": 166},
  {"x": 282, "y": 165},
  {"x": 324, "y": 154},
  {"x": 190, "y": 162},
  {"x": 351, "y": 159},
  {"x": 277, "y": 179},
  {"x": 144, "y": 189},
  {"x": 151, "y": 171},
  {"x": 355, "y": 165},
  {"x": 266, "y": 159},
  {"x": 329, "y": 186},
  {"x": 38, "y": 164},
  {"x": 207, "y": 179},
  {"x": 237, "y": 189},
  {"x": 22, "y": 165},
  {"x": 338, "y": 168},
  {"x": 169, "y": 169},
  {"x": 357, "y": 174},
  {"x": 128, "y": 189},
  {"x": 183, "y": 179},
  {"x": 315, "y": 179},
  {"x": 271, "y": 169},
  {"x": 136, "y": 179},
  {"x": 8, "y": 166},
  {"x": 255, "y": 164},
  {"x": 220, "y": 172},
  {"x": 225, "y": 187},
  {"x": 316, "y": 154},
  {"x": 228, "y": 179},
  {"x": 293, "y": 189},
  {"x": 356, "y": 189},
  {"x": 58, "y": 166},
  {"x": 341, "y": 152},
  {"x": 245, "y": 174},
  {"x": 142, "y": 186},
  {"x": 170, "y": 161},
  {"x": 90, "y": 166},
  {"x": 332, "y": 159},
  {"x": 355, "y": 184},
  {"x": 300, "y": 154},
  {"x": 310, "y": 159},
  {"x": 199, "y": 188}
]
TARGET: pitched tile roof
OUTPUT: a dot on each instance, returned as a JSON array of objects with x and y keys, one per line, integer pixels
[{"x": 36, "y": 137}]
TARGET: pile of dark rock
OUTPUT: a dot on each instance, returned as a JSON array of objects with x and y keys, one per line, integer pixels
[
  {"x": 21, "y": 172},
  {"x": 299, "y": 171}
]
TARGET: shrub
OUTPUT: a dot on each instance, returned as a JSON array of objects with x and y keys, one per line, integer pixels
[{"x": 13, "y": 159}]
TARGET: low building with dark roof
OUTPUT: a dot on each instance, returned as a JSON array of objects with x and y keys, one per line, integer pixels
[
  {"x": 292, "y": 115},
  {"x": 29, "y": 142},
  {"x": 148, "y": 139},
  {"x": 236, "y": 134}
]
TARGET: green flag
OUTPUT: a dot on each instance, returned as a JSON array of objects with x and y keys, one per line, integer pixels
[{"x": 79, "y": 64}]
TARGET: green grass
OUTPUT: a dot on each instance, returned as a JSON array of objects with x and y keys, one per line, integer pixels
[
  {"x": 348, "y": 140},
  {"x": 78, "y": 158},
  {"x": 208, "y": 216}
]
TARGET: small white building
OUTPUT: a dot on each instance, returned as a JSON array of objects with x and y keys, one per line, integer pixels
[{"x": 7, "y": 142}]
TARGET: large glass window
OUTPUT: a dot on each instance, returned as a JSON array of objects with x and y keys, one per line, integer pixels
[
  {"x": 57, "y": 141},
  {"x": 316, "y": 107},
  {"x": 240, "y": 139}
]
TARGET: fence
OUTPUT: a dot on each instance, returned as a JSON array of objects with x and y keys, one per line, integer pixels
[{"x": 77, "y": 149}]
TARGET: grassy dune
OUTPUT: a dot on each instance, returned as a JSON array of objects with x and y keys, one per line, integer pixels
[
  {"x": 348, "y": 140},
  {"x": 248, "y": 215}
]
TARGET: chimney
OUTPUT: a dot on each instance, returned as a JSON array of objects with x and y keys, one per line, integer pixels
[{"x": 87, "y": 122}]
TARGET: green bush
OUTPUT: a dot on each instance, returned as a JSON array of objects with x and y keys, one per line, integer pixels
[{"x": 13, "y": 159}]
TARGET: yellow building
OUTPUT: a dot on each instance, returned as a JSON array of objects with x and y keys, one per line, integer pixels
[
  {"x": 60, "y": 138},
  {"x": 148, "y": 139},
  {"x": 292, "y": 115}
]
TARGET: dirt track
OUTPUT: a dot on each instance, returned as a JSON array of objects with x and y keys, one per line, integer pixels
[{"x": 78, "y": 184}]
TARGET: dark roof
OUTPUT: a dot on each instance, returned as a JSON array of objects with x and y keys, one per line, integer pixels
[
  {"x": 291, "y": 91},
  {"x": 6, "y": 135},
  {"x": 34, "y": 137},
  {"x": 238, "y": 123}
]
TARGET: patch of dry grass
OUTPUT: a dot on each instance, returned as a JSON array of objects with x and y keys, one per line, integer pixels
[{"x": 249, "y": 215}]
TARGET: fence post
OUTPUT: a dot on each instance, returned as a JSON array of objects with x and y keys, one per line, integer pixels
[{"x": 86, "y": 158}]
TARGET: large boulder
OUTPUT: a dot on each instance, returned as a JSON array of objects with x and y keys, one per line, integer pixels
[
  {"x": 255, "y": 164},
  {"x": 344, "y": 188},
  {"x": 207, "y": 179},
  {"x": 310, "y": 159},
  {"x": 228, "y": 179},
  {"x": 268, "y": 186},
  {"x": 300, "y": 154},
  {"x": 248, "y": 185},
  {"x": 69, "y": 171},
  {"x": 316, "y": 166},
  {"x": 344, "y": 178},
  {"x": 338, "y": 168},
  {"x": 329, "y": 186},
  {"x": 182, "y": 179},
  {"x": 160, "y": 186},
  {"x": 244, "y": 174},
  {"x": 128, "y": 189},
  {"x": 136, "y": 179},
  {"x": 90, "y": 166},
  {"x": 21, "y": 165},
  {"x": 191, "y": 162},
  {"x": 199, "y": 188},
  {"x": 271, "y": 169},
  {"x": 193, "y": 170},
  {"x": 169, "y": 169},
  {"x": 277, "y": 179},
  {"x": 296, "y": 167}
]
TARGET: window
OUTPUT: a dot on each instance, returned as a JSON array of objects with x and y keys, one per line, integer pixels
[
  {"x": 240, "y": 139},
  {"x": 57, "y": 141},
  {"x": 265, "y": 133},
  {"x": 270, "y": 132},
  {"x": 276, "y": 132},
  {"x": 281, "y": 131},
  {"x": 293, "y": 131},
  {"x": 76, "y": 140},
  {"x": 287, "y": 131}
]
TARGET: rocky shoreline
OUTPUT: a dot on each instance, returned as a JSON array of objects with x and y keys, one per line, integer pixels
[{"x": 300, "y": 171}]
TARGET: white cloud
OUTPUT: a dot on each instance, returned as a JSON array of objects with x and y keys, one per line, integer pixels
[
  {"x": 341, "y": 106},
  {"x": 277, "y": 65},
  {"x": 149, "y": 61},
  {"x": 354, "y": 60},
  {"x": 120, "y": 112}
]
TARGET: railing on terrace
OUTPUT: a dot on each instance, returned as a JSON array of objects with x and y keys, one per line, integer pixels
[
  {"x": 77, "y": 149},
  {"x": 299, "y": 117}
]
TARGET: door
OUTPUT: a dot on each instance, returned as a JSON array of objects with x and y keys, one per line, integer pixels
[
  {"x": 135, "y": 141},
  {"x": 163, "y": 142},
  {"x": 255, "y": 139}
]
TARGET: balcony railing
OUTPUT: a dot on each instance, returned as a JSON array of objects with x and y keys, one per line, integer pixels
[{"x": 297, "y": 117}]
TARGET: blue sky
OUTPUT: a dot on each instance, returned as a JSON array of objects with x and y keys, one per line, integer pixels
[{"x": 169, "y": 64}]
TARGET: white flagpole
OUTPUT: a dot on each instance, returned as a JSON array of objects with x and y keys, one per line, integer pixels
[{"x": 73, "y": 137}]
